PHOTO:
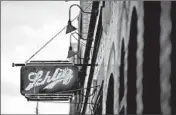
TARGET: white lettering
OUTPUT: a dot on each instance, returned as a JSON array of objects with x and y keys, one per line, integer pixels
[{"x": 64, "y": 75}]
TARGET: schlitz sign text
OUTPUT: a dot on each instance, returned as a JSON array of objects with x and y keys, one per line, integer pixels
[{"x": 40, "y": 79}]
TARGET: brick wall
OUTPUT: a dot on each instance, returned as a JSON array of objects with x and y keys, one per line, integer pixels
[{"x": 117, "y": 28}]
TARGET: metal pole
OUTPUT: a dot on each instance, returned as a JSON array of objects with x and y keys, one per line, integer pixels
[{"x": 37, "y": 108}]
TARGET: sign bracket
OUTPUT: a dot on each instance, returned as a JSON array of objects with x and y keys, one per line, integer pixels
[{"x": 22, "y": 64}]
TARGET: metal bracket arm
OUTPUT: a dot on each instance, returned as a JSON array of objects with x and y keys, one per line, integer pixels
[
  {"x": 17, "y": 64},
  {"x": 86, "y": 64},
  {"x": 21, "y": 64}
]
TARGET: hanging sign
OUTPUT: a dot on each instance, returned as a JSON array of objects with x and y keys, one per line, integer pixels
[{"x": 48, "y": 78}]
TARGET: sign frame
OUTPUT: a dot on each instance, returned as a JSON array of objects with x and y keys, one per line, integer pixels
[{"x": 54, "y": 66}]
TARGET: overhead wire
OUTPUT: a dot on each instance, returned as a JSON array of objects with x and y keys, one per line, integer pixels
[
  {"x": 91, "y": 101},
  {"x": 56, "y": 35}
]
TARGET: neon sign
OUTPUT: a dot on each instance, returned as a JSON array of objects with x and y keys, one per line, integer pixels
[{"x": 48, "y": 79}]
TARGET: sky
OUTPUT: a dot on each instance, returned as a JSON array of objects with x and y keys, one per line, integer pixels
[{"x": 25, "y": 27}]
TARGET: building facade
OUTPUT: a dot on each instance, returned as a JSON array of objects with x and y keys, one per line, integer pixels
[{"x": 132, "y": 43}]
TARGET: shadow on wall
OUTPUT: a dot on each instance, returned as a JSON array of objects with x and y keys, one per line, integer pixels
[
  {"x": 121, "y": 88},
  {"x": 110, "y": 96},
  {"x": 173, "y": 57},
  {"x": 151, "y": 72},
  {"x": 131, "y": 74}
]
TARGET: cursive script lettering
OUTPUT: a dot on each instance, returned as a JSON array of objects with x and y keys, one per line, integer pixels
[{"x": 64, "y": 75}]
